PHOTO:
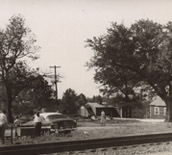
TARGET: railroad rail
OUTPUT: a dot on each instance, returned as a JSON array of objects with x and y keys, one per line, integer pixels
[{"x": 56, "y": 147}]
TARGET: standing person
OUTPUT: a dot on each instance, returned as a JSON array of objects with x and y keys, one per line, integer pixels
[
  {"x": 3, "y": 122},
  {"x": 37, "y": 124},
  {"x": 103, "y": 118},
  {"x": 17, "y": 124}
]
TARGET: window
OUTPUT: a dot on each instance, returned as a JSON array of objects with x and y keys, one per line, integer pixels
[
  {"x": 165, "y": 111},
  {"x": 156, "y": 110}
]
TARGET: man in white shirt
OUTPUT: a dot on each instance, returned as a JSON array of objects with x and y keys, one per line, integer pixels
[
  {"x": 38, "y": 124},
  {"x": 3, "y": 122}
]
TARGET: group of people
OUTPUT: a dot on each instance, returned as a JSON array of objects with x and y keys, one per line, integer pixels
[
  {"x": 3, "y": 125},
  {"x": 37, "y": 120},
  {"x": 37, "y": 124},
  {"x": 17, "y": 122}
]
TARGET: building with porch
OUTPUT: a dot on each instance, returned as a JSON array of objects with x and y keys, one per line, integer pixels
[{"x": 157, "y": 109}]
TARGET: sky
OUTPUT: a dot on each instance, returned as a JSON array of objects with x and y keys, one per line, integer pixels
[{"x": 61, "y": 28}]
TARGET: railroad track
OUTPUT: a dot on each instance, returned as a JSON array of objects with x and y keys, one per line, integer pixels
[{"x": 56, "y": 147}]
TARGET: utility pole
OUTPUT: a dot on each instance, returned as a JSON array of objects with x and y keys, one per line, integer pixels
[{"x": 55, "y": 81}]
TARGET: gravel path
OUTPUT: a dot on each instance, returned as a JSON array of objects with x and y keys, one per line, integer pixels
[
  {"x": 164, "y": 148},
  {"x": 161, "y": 153}
]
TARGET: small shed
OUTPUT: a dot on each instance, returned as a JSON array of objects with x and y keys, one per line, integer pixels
[
  {"x": 124, "y": 109},
  {"x": 157, "y": 109},
  {"x": 83, "y": 112},
  {"x": 93, "y": 108}
]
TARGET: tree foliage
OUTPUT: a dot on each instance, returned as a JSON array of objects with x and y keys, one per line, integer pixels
[
  {"x": 16, "y": 45},
  {"x": 37, "y": 95},
  {"x": 81, "y": 100},
  {"x": 69, "y": 102},
  {"x": 141, "y": 53}
]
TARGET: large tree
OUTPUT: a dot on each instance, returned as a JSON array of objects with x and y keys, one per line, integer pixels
[
  {"x": 142, "y": 53},
  {"x": 69, "y": 102},
  {"x": 82, "y": 100},
  {"x": 16, "y": 45},
  {"x": 37, "y": 95}
]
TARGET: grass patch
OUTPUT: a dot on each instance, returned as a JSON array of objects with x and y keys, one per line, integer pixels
[{"x": 93, "y": 130}]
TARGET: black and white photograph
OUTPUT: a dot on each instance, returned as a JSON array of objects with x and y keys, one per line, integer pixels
[{"x": 85, "y": 77}]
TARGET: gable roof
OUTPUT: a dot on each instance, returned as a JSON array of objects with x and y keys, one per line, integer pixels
[
  {"x": 157, "y": 102},
  {"x": 94, "y": 104},
  {"x": 97, "y": 105}
]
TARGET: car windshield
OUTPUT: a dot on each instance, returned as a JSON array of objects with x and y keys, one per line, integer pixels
[{"x": 55, "y": 116}]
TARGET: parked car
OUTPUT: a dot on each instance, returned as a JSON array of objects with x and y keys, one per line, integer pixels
[{"x": 56, "y": 122}]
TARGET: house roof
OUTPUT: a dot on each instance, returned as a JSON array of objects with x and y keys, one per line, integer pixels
[
  {"x": 157, "y": 102},
  {"x": 97, "y": 105},
  {"x": 94, "y": 104}
]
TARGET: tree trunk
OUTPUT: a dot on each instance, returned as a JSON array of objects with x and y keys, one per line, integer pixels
[
  {"x": 9, "y": 111},
  {"x": 168, "y": 110},
  {"x": 9, "y": 104}
]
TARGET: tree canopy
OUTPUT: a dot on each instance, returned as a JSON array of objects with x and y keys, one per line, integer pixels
[
  {"x": 69, "y": 102},
  {"x": 127, "y": 56},
  {"x": 17, "y": 44},
  {"x": 37, "y": 95}
]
